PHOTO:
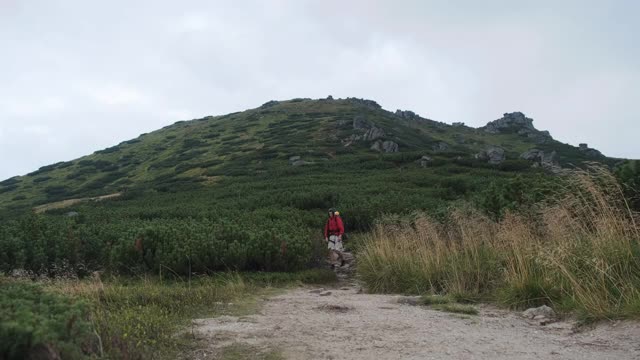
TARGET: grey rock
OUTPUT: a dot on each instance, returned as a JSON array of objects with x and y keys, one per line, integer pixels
[
  {"x": 457, "y": 124},
  {"x": 424, "y": 161},
  {"x": 518, "y": 122},
  {"x": 360, "y": 122},
  {"x": 71, "y": 214},
  {"x": 351, "y": 140},
  {"x": 493, "y": 155},
  {"x": 407, "y": 114},
  {"x": 390, "y": 146},
  {"x": 385, "y": 146},
  {"x": 509, "y": 120},
  {"x": 589, "y": 151},
  {"x": 440, "y": 146},
  {"x": 533, "y": 155},
  {"x": 366, "y": 103},
  {"x": 541, "y": 159},
  {"x": 294, "y": 158},
  {"x": 373, "y": 133},
  {"x": 326, "y": 293},
  {"x": 543, "y": 310},
  {"x": 409, "y": 300},
  {"x": 299, "y": 163}
]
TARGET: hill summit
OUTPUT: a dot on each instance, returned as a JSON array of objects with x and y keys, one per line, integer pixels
[{"x": 294, "y": 133}]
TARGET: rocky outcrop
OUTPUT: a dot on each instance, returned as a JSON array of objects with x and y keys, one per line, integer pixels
[
  {"x": 366, "y": 103},
  {"x": 545, "y": 160},
  {"x": 373, "y": 133},
  {"x": 458, "y": 124},
  {"x": 424, "y": 161},
  {"x": 354, "y": 138},
  {"x": 493, "y": 155},
  {"x": 360, "y": 122},
  {"x": 517, "y": 122},
  {"x": 407, "y": 114},
  {"x": 584, "y": 148},
  {"x": 509, "y": 121},
  {"x": 440, "y": 146},
  {"x": 385, "y": 146},
  {"x": 532, "y": 155}
]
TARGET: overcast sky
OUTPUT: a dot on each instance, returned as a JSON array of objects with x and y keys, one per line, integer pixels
[{"x": 79, "y": 76}]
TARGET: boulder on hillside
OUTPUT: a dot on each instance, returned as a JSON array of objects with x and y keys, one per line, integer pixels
[
  {"x": 360, "y": 122},
  {"x": 407, "y": 114},
  {"x": 440, "y": 146},
  {"x": 584, "y": 148},
  {"x": 373, "y": 133},
  {"x": 354, "y": 138},
  {"x": 517, "y": 122},
  {"x": 532, "y": 155},
  {"x": 509, "y": 120},
  {"x": 424, "y": 161},
  {"x": 385, "y": 146},
  {"x": 542, "y": 159},
  {"x": 366, "y": 103},
  {"x": 493, "y": 155}
]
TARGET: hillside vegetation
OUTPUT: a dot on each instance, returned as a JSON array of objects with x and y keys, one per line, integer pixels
[
  {"x": 248, "y": 191},
  {"x": 578, "y": 251}
]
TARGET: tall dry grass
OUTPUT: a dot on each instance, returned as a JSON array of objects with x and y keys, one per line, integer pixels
[{"x": 578, "y": 251}]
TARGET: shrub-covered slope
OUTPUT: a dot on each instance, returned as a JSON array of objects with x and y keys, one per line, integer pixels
[
  {"x": 323, "y": 133},
  {"x": 250, "y": 190}
]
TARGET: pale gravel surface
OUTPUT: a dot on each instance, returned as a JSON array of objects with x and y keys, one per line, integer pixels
[{"x": 305, "y": 325}]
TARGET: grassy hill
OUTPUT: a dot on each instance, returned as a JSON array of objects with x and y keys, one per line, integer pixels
[
  {"x": 202, "y": 152},
  {"x": 249, "y": 190}
]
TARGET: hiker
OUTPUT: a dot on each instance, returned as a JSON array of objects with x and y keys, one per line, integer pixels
[{"x": 333, "y": 231}]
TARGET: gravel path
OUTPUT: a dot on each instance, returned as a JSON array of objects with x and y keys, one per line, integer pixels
[{"x": 343, "y": 323}]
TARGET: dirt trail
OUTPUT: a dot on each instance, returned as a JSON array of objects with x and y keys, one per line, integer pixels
[{"x": 343, "y": 323}]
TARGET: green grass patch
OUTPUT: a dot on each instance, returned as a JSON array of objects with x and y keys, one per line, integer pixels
[
  {"x": 126, "y": 317},
  {"x": 456, "y": 308},
  {"x": 435, "y": 300},
  {"x": 247, "y": 352}
]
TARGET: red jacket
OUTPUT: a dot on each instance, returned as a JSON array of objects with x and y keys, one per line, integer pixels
[{"x": 334, "y": 226}]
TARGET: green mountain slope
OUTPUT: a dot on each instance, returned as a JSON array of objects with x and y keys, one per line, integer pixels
[
  {"x": 323, "y": 133},
  {"x": 249, "y": 190}
]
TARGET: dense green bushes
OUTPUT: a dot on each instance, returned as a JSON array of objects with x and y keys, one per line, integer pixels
[
  {"x": 268, "y": 221},
  {"x": 40, "y": 325}
]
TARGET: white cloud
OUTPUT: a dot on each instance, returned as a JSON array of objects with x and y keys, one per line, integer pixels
[
  {"x": 190, "y": 22},
  {"x": 36, "y": 130},
  {"x": 18, "y": 107},
  {"x": 117, "y": 95}
]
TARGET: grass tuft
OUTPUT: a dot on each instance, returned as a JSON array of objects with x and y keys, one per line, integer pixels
[{"x": 457, "y": 309}]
